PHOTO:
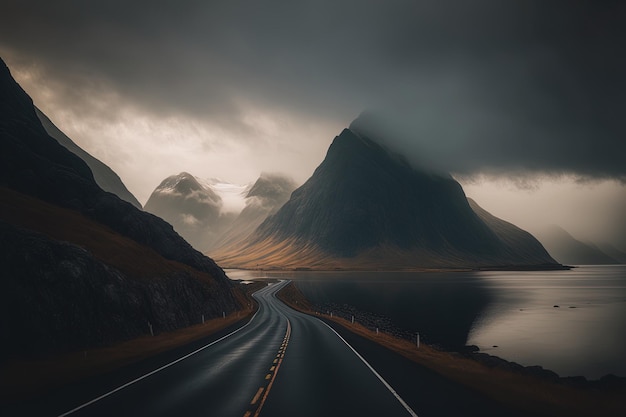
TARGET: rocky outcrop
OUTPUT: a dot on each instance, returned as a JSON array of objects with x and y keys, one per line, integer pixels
[{"x": 57, "y": 296}]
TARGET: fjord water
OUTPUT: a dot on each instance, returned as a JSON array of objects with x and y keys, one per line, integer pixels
[
  {"x": 584, "y": 335},
  {"x": 513, "y": 310}
]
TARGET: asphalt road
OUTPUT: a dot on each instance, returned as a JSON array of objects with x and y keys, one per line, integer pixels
[{"x": 281, "y": 363}]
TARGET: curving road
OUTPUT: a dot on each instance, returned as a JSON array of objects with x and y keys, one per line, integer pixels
[{"x": 281, "y": 363}]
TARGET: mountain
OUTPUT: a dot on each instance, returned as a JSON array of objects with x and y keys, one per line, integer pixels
[
  {"x": 104, "y": 176},
  {"x": 192, "y": 208},
  {"x": 80, "y": 266},
  {"x": 265, "y": 197},
  {"x": 567, "y": 249},
  {"x": 613, "y": 252},
  {"x": 210, "y": 213},
  {"x": 367, "y": 207}
]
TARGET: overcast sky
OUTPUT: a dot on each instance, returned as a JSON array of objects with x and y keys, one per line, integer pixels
[{"x": 523, "y": 100}]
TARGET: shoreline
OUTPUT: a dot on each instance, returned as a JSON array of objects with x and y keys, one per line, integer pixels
[
  {"x": 532, "y": 388},
  {"x": 558, "y": 267}
]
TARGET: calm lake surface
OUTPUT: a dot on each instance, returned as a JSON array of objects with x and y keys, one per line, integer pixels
[{"x": 513, "y": 310}]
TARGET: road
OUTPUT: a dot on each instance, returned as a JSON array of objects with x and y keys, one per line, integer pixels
[{"x": 281, "y": 363}]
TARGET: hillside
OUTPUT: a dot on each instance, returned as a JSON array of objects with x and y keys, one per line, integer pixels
[
  {"x": 265, "y": 197},
  {"x": 81, "y": 267}
]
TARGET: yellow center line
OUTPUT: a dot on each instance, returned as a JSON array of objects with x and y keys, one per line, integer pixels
[
  {"x": 269, "y": 386},
  {"x": 248, "y": 414},
  {"x": 257, "y": 396}
]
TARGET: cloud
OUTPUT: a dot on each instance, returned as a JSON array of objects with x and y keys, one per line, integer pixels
[{"x": 483, "y": 87}]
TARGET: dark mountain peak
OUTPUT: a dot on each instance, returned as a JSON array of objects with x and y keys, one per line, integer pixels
[
  {"x": 364, "y": 122},
  {"x": 365, "y": 200},
  {"x": 362, "y": 196},
  {"x": 387, "y": 130}
]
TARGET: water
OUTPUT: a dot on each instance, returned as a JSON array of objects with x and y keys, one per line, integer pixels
[
  {"x": 513, "y": 310},
  {"x": 585, "y": 335}
]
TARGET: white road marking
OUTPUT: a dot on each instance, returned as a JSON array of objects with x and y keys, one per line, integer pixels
[
  {"x": 395, "y": 394},
  {"x": 121, "y": 387}
]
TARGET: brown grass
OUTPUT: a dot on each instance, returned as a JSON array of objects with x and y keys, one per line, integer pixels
[
  {"x": 128, "y": 256},
  {"x": 23, "y": 379},
  {"x": 524, "y": 392}
]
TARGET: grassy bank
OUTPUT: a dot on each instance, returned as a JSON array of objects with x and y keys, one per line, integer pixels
[
  {"x": 525, "y": 392},
  {"x": 26, "y": 378}
]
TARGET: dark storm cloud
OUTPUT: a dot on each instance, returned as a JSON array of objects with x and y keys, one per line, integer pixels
[{"x": 480, "y": 86}]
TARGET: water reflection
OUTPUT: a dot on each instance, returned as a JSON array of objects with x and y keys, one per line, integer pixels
[
  {"x": 584, "y": 335},
  {"x": 441, "y": 306},
  {"x": 514, "y": 311}
]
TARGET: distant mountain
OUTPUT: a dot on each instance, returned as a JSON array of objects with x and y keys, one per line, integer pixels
[
  {"x": 80, "y": 266},
  {"x": 194, "y": 209},
  {"x": 367, "y": 207},
  {"x": 525, "y": 244},
  {"x": 613, "y": 252},
  {"x": 104, "y": 176},
  {"x": 265, "y": 197},
  {"x": 568, "y": 250},
  {"x": 210, "y": 213}
]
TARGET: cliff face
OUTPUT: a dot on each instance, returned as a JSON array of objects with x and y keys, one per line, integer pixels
[
  {"x": 367, "y": 207},
  {"x": 121, "y": 265},
  {"x": 57, "y": 296}
]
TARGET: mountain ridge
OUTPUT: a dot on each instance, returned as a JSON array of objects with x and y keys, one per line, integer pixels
[
  {"x": 105, "y": 177},
  {"x": 567, "y": 249},
  {"x": 363, "y": 202}
]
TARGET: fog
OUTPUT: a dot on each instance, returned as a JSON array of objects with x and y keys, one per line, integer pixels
[{"x": 529, "y": 93}]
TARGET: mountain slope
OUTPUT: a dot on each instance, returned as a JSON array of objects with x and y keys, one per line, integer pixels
[
  {"x": 613, "y": 252},
  {"x": 367, "y": 207},
  {"x": 105, "y": 177},
  {"x": 525, "y": 244},
  {"x": 74, "y": 255},
  {"x": 265, "y": 197},
  {"x": 567, "y": 249}
]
